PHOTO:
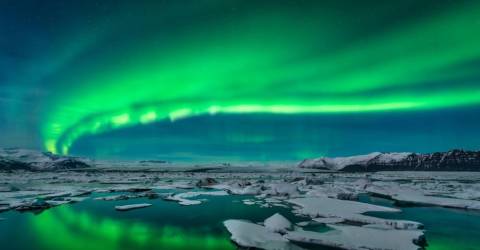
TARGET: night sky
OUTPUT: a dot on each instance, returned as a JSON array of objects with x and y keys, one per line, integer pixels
[{"x": 239, "y": 80}]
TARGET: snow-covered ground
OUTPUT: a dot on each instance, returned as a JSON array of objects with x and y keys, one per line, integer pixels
[{"x": 320, "y": 198}]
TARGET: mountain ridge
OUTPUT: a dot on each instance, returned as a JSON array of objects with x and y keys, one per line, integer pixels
[
  {"x": 26, "y": 159},
  {"x": 452, "y": 160}
]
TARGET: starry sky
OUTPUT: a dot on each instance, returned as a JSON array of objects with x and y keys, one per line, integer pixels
[{"x": 239, "y": 80}]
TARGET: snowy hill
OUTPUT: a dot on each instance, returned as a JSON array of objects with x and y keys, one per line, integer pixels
[
  {"x": 14, "y": 158},
  {"x": 454, "y": 160}
]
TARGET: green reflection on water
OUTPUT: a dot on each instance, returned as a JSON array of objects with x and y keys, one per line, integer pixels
[{"x": 65, "y": 228}]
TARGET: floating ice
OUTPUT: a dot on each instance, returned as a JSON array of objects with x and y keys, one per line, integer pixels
[
  {"x": 278, "y": 224},
  {"x": 247, "y": 234},
  {"x": 361, "y": 238},
  {"x": 132, "y": 206},
  {"x": 348, "y": 210},
  {"x": 183, "y": 198}
]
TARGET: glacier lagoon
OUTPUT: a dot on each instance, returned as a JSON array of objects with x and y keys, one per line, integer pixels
[
  {"x": 95, "y": 224},
  {"x": 445, "y": 228}
]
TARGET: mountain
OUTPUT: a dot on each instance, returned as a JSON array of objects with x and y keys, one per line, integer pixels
[
  {"x": 453, "y": 160},
  {"x": 14, "y": 159}
]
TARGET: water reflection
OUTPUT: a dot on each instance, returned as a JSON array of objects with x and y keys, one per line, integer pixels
[{"x": 66, "y": 228}]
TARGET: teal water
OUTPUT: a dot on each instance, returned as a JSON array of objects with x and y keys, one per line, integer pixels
[
  {"x": 446, "y": 229},
  {"x": 95, "y": 224}
]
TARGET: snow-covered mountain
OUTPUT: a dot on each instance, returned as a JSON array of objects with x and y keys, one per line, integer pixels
[
  {"x": 15, "y": 158},
  {"x": 454, "y": 160}
]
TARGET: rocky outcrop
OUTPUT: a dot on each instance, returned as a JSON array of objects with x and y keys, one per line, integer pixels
[
  {"x": 23, "y": 159},
  {"x": 454, "y": 160}
]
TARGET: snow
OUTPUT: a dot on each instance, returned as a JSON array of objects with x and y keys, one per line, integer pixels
[
  {"x": 328, "y": 207},
  {"x": 338, "y": 163},
  {"x": 118, "y": 197},
  {"x": 247, "y": 234},
  {"x": 249, "y": 190},
  {"x": 277, "y": 223},
  {"x": 407, "y": 194},
  {"x": 184, "y": 198},
  {"x": 318, "y": 200},
  {"x": 348, "y": 210},
  {"x": 392, "y": 157},
  {"x": 361, "y": 238},
  {"x": 132, "y": 206},
  {"x": 35, "y": 160},
  {"x": 329, "y": 220},
  {"x": 284, "y": 189},
  {"x": 55, "y": 195}
]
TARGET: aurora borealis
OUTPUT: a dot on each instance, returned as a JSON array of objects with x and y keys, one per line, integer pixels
[{"x": 343, "y": 77}]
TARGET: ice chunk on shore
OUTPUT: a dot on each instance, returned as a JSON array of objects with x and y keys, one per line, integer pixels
[
  {"x": 278, "y": 224},
  {"x": 132, "y": 206},
  {"x": 361, "y": 238}
]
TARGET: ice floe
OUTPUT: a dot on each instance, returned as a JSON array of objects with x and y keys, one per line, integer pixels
[
  {"x": 247, "y": 234},
  {"x": 132, "y": 206},
  {"x": 352, "y": 211},
  {"x": 185, "y": 198},
  {"x": 278, "y": 224},
  {"x": 407, "y": 195},
  {"x": 361, "y": 238}
]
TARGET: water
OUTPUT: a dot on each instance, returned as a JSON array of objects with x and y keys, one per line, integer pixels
[
  {"x": 95, "y": 225},
  {"x": 446, "y": 229}
]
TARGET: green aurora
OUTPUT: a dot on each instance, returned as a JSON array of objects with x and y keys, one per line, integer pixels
[{"x": 117, "y": 65}]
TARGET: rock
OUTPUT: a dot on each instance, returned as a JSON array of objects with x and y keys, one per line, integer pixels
[
  {"x": 138, "y": 189},
  {"x": 151, "y": 195},
  {"x": 296, "y": 179},
  {"x": 347, "y": 196},
  {"x": 313, "y": 181},
  {"x": 206, "y": 182}
]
